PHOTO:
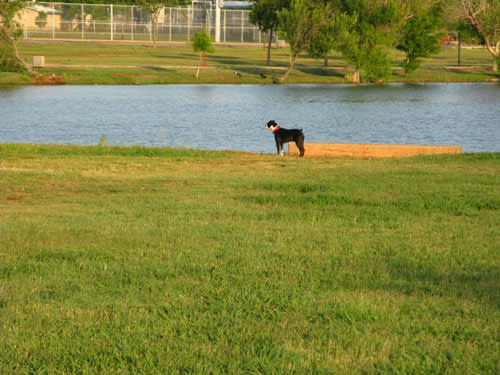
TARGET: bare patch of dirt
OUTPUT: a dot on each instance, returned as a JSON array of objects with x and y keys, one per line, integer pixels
[
  {"x": 48, "y": 80},
  {"x": 12, "y": 198}
]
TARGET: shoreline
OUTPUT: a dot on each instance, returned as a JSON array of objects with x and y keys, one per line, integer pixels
[{"x": 57, "y": 74}]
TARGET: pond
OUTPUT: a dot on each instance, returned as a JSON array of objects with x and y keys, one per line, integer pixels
[{"x": 233, "y": 117}]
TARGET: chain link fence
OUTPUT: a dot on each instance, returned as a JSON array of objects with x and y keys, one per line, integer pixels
[{"x": 119, "y": 22}]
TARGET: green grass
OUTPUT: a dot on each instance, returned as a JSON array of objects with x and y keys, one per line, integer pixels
[
  {"x": 140, "y": 64},
  {"x": 132, "y": 260}
]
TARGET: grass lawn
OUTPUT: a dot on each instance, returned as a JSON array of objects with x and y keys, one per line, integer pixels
[
  {"x": 129, "y": 260},
  {"x": 140, "y": 64}
]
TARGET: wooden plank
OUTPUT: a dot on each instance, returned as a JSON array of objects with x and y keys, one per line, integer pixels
[{"x": 314, "y": 149}]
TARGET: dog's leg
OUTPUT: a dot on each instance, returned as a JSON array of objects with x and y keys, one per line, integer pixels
[
  {"x": 278, "y": 147},
  {"x": 300, "y": 145}
]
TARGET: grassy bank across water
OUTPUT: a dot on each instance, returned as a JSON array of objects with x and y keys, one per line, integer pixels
[
  {"x": 138, "y": 260},
  {"x": 100, "y": 63}
]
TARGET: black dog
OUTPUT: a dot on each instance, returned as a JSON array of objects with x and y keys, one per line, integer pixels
[{"x": 282, "y": 136}]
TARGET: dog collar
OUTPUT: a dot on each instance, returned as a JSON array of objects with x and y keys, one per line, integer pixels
[{"x": 276, "y": 129}]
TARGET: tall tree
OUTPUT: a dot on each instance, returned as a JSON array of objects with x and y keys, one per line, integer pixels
[
  {"x": 484, "y": 17},
  {"x": 264, "y": 14},
  {"x": 298, "y": 25},
  {"x": 154, "y": 8},
  {"x": 420, "y": 32},
  {"x": 370, "y": 30},
  {"x": 202, "y": 43},
  {"x": 10, "y": 32}
]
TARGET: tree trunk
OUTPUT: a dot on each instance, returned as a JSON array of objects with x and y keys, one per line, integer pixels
[
  {"x": 153, "y": 25},
  {"x": 269, "y": 47},
  {"x": 292, "y": 63},
  {"x": 356, "y": 76},
  {"x": 199, "y": 65},
  {"x": 16, "y": 54},
  {"x": 459, "y": 49}
]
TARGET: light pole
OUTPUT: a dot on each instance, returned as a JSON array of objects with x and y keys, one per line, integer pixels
[{"x": 218, "y": 4}]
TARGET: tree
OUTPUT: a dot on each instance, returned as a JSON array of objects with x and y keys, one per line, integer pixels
[
  {"x": 264, "y": 14},
  {"x": 154, "y": 8},
  {"x": 41, "y": 20},
  {"x": 202, "y": 43},
  {"x": 298, "y": 25},
  {"x": 484, "y": 17},
  {"x": 10, "y": 32},
  {"x": 420, "y": 31},
  {"x": 369, "y": 30}
]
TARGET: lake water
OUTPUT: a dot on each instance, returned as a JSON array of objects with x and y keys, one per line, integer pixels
[{"x": 233, "y": 117}]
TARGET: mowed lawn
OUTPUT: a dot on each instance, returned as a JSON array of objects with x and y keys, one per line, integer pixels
[
  {"x": 128, "y": 260},
  {"x": 104, "y": 63}
]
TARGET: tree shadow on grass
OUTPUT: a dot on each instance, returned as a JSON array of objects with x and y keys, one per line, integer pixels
[
  {"x": 225, "y": 60},
  {"x": 333, "y": 73},
  {"x": 410, "y": 276},
  {"x": 155, "y": 68}
]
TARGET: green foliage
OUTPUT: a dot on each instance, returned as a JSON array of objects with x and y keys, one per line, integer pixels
[
  {"x": 102, "y": 140},
  {"x": 369, "y": 29},
  {"x": 299, "y": 23},
  {"x": 9, "y": 26},
  {"x": 41, "y": 20},
  {"x": 202, "y": 42},
  {"x": 325, "y": 39},
  {"x": 10, "y": 31},
  {"x": 264, "y": 13},
  {"x": 420, "y": 35},
  {"x": 8, "y": 62},
  {"x": 377, "y": 64}
]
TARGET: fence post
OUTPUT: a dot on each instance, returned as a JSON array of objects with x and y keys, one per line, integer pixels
[
  {"x": 132, "y": 29},
  {"x": 53, "y": 20},
  {"x": 242, "y": 26},
  {"x": 111, "y": 21},
  {"x": 189, "y": 22},
  {"x": 225, "y": 24},
  {"x": 83, "y": 25},
  {"x": 170, "y": 25}
]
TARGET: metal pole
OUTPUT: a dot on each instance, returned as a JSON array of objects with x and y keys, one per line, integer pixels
[
  {"x": 53, "y": 21},
  {"x": 217, "y": 20},
  {"x": 111, "y": 21},
  {"x": 132, "y": 31},
  {"x": 83, "y": 25},
  {"x": 459, "y": 49},
  {"x": 242, "y": 26},
  {"x": 225, "y": 11},
  {"x": 189, "y": 22},
  {"x": 170, "y": 25}
]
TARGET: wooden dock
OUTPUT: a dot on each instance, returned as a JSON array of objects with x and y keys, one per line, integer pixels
[{"x": 314, "y": 149}]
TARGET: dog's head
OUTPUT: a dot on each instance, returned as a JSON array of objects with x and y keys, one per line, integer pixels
[{"x": 271, "y": 125}]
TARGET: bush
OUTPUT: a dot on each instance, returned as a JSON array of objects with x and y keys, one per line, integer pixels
[
  {"x": 8, "y": 61},
  {"x": 377, "y": 65}
]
